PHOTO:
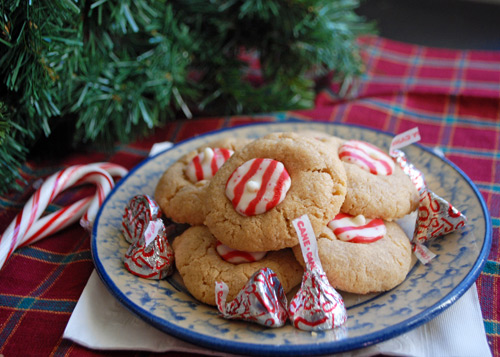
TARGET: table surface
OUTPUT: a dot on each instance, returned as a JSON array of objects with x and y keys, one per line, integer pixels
[{"x": 452, "y": 96}]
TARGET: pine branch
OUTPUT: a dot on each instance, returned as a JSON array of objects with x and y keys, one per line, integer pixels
[
  {"x": 308, "y": 37},
  {"x": 12, "y": 153},
  {"x": 116, "y": 69},
  {"x": 128, "y": 88}
]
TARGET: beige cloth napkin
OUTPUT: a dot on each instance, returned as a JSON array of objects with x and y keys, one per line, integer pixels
[{"x": 100, "y": 322}]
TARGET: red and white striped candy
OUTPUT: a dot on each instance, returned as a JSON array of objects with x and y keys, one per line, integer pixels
[
  {"x": 86, "y": 208},
  {"x": 367, "y": 156},
  {"x": 316, "y": 306},
  {"x": 257, "y": 186},
  {"x": 28, "y": 226},
  {"x": 357, "y": 229},
  {"x": 204, "y": 165},
  {"x": 151, "y": 256},
  {"x": 87, "y": 220},
  {"x": 235, "y": 256},
  {"x": 140, "y": 210},
  {"x": 262, "y": 300}
]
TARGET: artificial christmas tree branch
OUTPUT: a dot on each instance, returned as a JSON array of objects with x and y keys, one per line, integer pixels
[{"x": 115, "y": 69}]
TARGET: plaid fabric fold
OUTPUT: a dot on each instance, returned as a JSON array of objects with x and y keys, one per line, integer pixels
[{"x": 452, "y": 96}]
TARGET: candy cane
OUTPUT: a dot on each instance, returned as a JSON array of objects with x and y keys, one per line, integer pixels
[
  {"x": 87, "y": 220},
  {"x": 27, "y": 227},
  {"x": 51, "y": 223},
  {"x": 113, "y": 169},
  {"x": 85, "y": 208}
]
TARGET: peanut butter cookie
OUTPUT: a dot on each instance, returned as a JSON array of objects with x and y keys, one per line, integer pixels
[
  {"x": 200, "y": 266},
  {"x": 254, "y": 197}
]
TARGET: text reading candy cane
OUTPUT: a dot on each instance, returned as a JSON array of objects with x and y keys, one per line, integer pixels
[{"x": 28, "y": 226}]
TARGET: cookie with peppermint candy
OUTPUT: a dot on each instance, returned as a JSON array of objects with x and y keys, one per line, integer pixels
[
  {"x": 180, "y": 192},
  {"x": 202, "y": 261},
  {"x": 376, "y": 186},
  {"x": 254, "y": 197},
  {"x": 361, "y": 255}
]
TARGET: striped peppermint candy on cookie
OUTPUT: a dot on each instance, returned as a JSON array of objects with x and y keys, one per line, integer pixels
[
  {"x": 357, "y": 229},
  {"x": 257, "y": 186},
  {"x": 367, "y": 156},
  {"x": 235, "y": 256},
  {"x": 204, "y": 165}
]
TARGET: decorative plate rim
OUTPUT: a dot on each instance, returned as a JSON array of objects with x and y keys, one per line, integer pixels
[{"x": 324, "y": 347}]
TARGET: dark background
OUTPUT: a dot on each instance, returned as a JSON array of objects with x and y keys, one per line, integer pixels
[{"x": 438, "y": 23}]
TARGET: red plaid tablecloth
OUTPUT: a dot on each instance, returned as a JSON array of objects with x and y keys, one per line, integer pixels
[{"x": 452, "y": 96}]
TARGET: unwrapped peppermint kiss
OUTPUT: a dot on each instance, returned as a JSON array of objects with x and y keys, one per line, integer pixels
[
  {"x": 235, "y": 256},
  {"x": 357, "y": 229},
  {"x": 257, "y": 186},
  {"x": 204, "y": 165},
  {"x": 262, "y": 300},
  {"x": 367, "y": 156},
  {"x": 317, "y": 306}
]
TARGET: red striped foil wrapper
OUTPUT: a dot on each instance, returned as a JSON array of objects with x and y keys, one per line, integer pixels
[
  {"x": 262, "y": 300},
  {"x": 436, "y": 216},
  {"x": 150, "y": 255}
]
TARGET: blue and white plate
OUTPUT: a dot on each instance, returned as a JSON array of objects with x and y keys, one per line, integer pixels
[{"x": 427, "y": 291}]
